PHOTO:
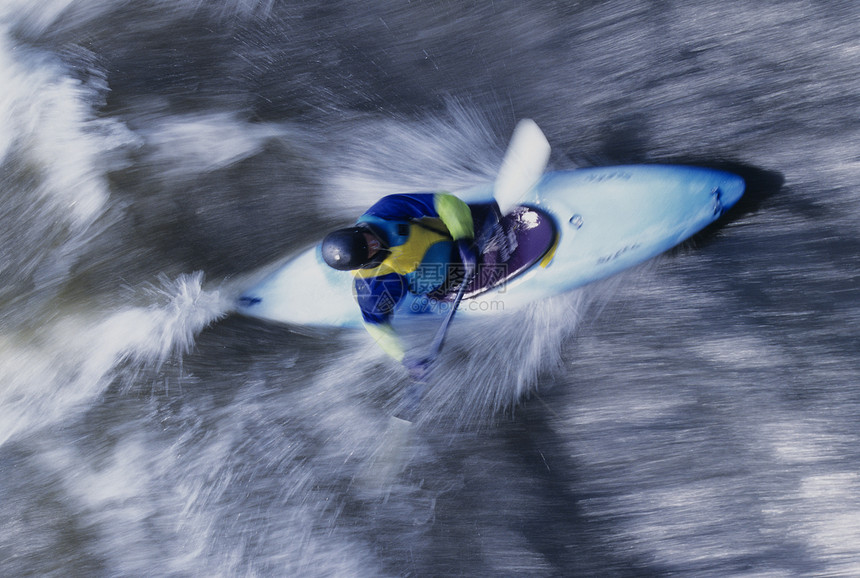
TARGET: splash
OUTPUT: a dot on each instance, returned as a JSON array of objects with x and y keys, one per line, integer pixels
[
  {"x": 49, "y": 375},
  {"x": 185, "y": 146},
  {"x": 55, "y": 154},
  {"x": 50, "y": 131},
  {"x": 46, "y": 17},
  {"x": 448, "y": 151},
  {"x": 491, "y": 364}
]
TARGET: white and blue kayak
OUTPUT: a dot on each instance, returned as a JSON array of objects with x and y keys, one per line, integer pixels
[{"x": 572, "y": 228}]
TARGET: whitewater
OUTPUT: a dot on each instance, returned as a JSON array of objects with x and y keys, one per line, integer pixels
[{"x": 694, "y": 416}]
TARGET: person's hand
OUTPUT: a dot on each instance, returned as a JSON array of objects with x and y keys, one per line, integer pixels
[{"x": 468, "y": 255}]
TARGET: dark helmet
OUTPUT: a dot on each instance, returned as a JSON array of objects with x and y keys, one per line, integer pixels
[{"x": 345, "y": 249}]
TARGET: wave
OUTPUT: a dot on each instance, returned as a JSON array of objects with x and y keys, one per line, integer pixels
[{"x": 57, "y": 371}]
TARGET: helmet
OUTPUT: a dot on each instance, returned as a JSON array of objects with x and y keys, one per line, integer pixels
[{"x": 345, "y": 249}]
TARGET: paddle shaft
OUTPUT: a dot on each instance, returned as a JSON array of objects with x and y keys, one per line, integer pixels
[
  {"x": 522, "y": 167},
  {"x": 439, "y": 339}
]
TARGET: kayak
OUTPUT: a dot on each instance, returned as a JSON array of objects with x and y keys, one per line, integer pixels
[{"x": 570, "y": 229}]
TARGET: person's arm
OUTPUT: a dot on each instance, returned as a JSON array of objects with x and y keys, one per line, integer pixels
[
  {"x": 458, "y": 219},
  {"x": 452, "y": 211},
  {"x": 387, "y": 339},
  {"x": 377, "y": 297},
  {"x": 456, "y": 215}
]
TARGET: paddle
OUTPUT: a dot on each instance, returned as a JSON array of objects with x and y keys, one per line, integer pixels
[{"x": 522, "y": 167}]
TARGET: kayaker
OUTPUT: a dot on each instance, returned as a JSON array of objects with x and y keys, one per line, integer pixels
[{"x": 403, "y": 243}]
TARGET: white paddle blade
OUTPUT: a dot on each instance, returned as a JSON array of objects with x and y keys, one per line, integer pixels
[{"x": 523, "y": 165}]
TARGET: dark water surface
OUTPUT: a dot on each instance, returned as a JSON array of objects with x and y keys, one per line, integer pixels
[{"x": 697, "y": 416}]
